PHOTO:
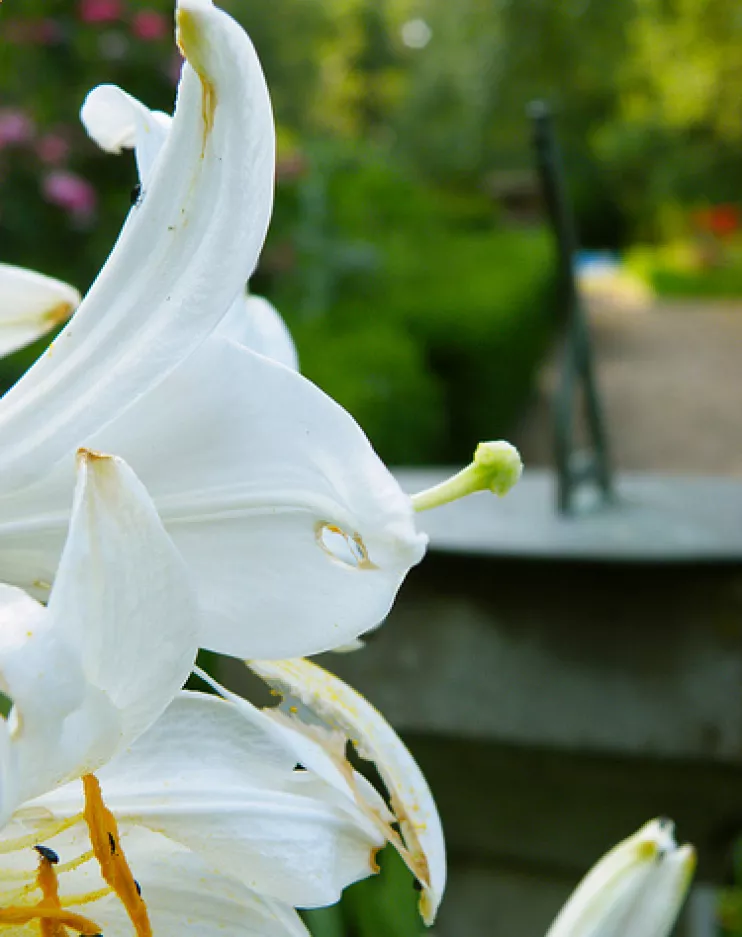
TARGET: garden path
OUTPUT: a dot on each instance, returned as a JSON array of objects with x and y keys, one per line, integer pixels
[{"x": 671, "y": 383}]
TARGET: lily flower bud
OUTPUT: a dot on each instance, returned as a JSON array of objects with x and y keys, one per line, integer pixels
[
  {"x": 496, "y": 467},
  {"x": 637, "y": 888}
]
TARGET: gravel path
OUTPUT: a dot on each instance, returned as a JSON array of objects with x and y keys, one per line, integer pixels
[{"x": 671, "y": 383}]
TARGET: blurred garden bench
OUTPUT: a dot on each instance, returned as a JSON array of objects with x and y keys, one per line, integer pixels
[{"x": 567, "y": 663}]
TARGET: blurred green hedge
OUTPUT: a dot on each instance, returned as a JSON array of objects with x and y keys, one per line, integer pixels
[{"x": 432, "y": 317}]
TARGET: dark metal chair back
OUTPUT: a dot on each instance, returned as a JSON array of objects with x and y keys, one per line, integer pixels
[{"x": 576, "y": 467}]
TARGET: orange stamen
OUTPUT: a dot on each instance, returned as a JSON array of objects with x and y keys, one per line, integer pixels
[
  {"x": 20, "y": 916},
  {"x": 52, "y": 918},
  {"x": 104, "y": 838},
  {"x": 46, "y": 879}
]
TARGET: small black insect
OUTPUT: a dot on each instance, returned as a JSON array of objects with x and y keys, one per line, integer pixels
[
  {"x": 417, "y": 885},
  {"x": 136, "y": 194},
  {"x": 138, "y": 888},
  {"x": 112, "y": 843},
  {"x": 46, "y": 853}
]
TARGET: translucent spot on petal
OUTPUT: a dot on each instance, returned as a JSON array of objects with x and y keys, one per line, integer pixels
[{"x": 342, "y": 546}]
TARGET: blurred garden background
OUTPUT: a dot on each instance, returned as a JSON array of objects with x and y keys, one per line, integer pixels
[{"x": 408, "y": 251}]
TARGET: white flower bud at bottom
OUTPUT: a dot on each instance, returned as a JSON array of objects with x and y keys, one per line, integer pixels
[{"x": 636, "y": 889}]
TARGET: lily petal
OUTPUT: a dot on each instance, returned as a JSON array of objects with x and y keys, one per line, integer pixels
[
  {"x": 30, "y": 305},
  {"x": 59, "y": 720},
  {"x": 270, "y": 491},
  {"x": 91, "y": 671},
  {"x": 115, "y": 120},
  {"x": 637, "y": 888},
  {"x": 182, "y": 892},
  {"x": 206, "y": 777},
  {"x": 187, "y": 898},
  {"x": 123, "y": 596},
  {"x": 283, "y": 511},
  {"x": 255, "y": 323},
  {"x": 184, "y": 254},
  {"x": 340, "y": 706}
]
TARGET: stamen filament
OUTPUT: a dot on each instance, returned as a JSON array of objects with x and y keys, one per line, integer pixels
[
  {"x": 52, "y": 917},
  {"x": 19, "y": 915},
  {"x": 114, "y": 869}
]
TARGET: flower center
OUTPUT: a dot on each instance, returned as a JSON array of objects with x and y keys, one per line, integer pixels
[{"x": 53, "y": 918}]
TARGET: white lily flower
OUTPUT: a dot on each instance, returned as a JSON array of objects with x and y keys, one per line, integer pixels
[
  {"x": 31, "y": 305},
  {"x": 637, "y": 888},
  {"x": 193, "y": 819},
  {"x": 295, "y": 534},
  {"x": 115, "y": 120},
  {"x": 92, "y": 670},
  {"x": 321, "y": 715}
]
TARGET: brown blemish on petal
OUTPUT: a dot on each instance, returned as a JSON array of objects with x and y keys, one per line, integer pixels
[
  {"x": 365, "y": 561},
  {"x": 191, "y": 44},
  {"x": 208, "y": 108},
  {"x": 91, "y": 455}
]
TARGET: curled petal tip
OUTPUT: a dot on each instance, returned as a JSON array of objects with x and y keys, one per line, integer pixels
[{"x": 189, "y": 34}]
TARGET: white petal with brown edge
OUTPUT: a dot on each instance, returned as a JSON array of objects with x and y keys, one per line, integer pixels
[
  {"x": 270, "y": 491},
  {"x": 115, "y": 120},
  {"x": 31, "y": 304},
  {"x": 228, "y": 790},
  {"x": 182, "y": 258},
  {"x": 343, "y": 708}
]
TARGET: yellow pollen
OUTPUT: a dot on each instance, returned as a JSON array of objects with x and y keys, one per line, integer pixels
[{"x": 114, "y": 869}]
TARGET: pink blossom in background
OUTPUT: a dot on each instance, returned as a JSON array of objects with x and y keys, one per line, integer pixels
[
  {"x": 70, "y": 192},
  {"x": 99, "y": 11},
  {"x": 150, "y": 25},
  {"x": 52, "y": 149},
  {"x": 16, "y": 127}
]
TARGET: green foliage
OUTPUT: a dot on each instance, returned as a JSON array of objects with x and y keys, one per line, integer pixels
[
  {"x": 722, "y": 283},
  {"x": 691, "y": 267},
  {"x": 433, "y": 342},
  {"x": 386, "y": 904},
  {"x": 383, "y": 905}
]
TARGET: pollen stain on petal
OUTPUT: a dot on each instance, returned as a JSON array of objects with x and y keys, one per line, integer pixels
[
  {"x": 191, "y": 43},
  {"x": 208, "y": 108},
  {"x": 58, "y": 314},
  {"x": 91, "y": 455}
]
